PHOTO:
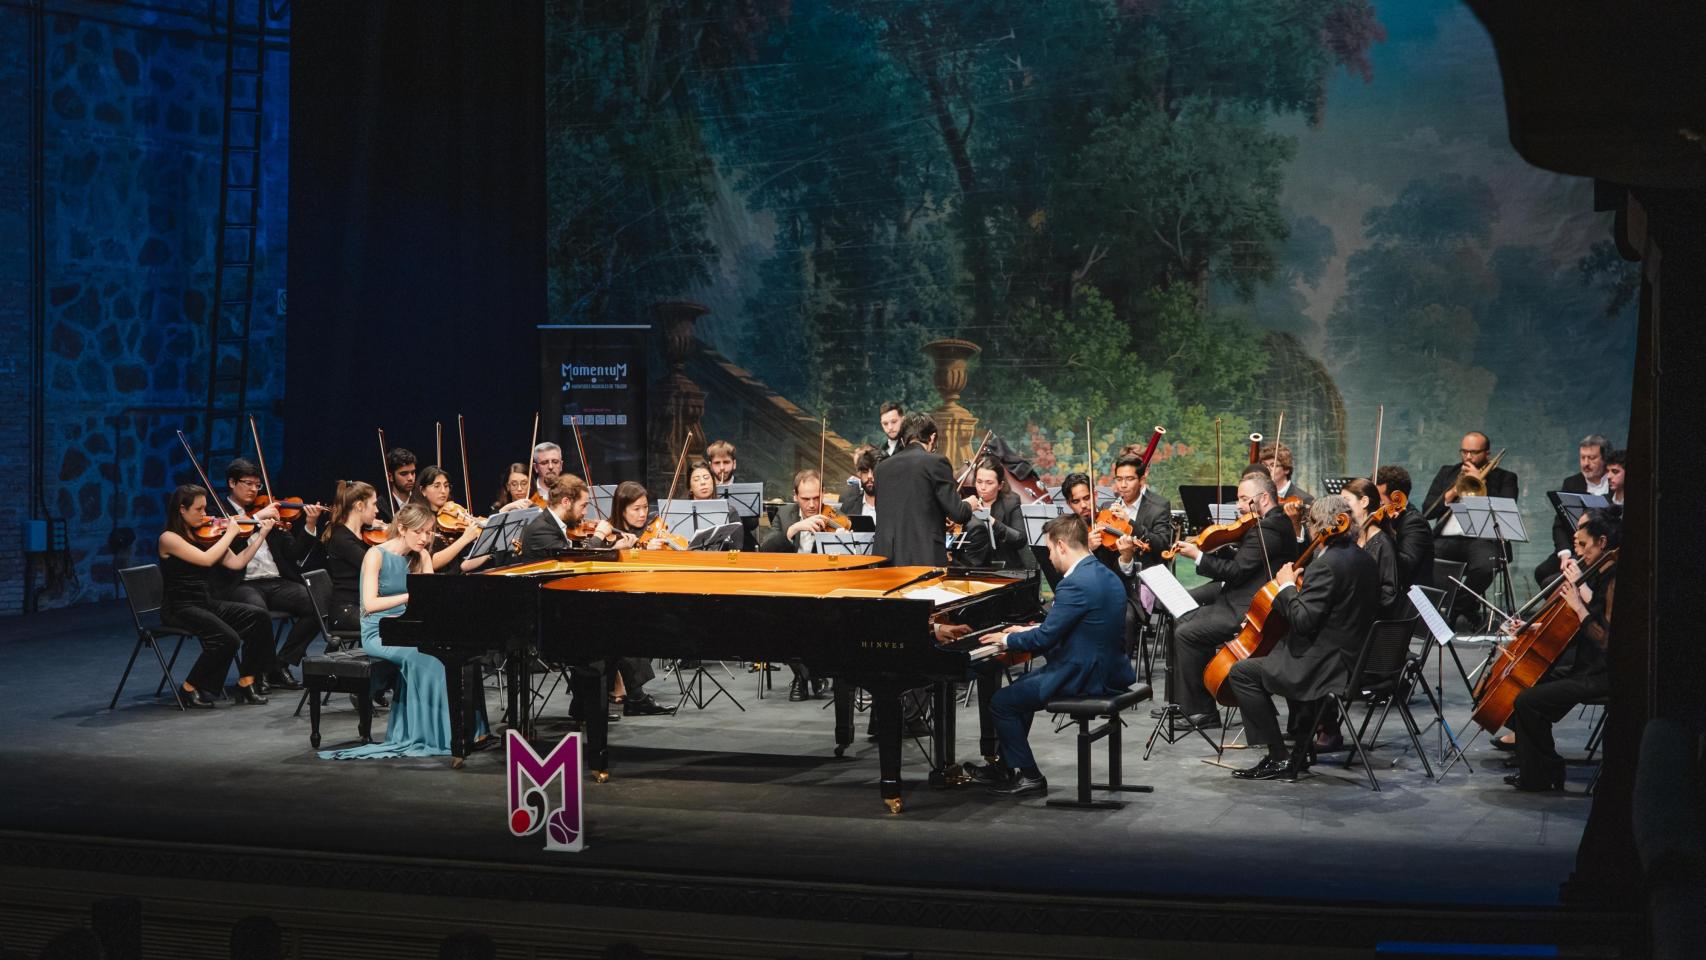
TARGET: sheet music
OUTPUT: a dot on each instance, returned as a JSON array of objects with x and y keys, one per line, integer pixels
[
  {"x": 936, "y": 595},
  {"x": 1168, "y": 590},
  {"x": 1436, "y": 624},
  {"x": 1223, "y": 512}
]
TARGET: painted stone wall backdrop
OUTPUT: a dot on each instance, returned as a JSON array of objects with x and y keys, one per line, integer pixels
[
  {"x": 14, "y": 298},
  {"x": 131, "y": 160}
]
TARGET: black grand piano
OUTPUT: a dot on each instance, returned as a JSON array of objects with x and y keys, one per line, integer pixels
[{"x": 868, "y": 627}]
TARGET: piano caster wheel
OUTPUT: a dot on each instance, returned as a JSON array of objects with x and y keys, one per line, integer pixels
[
  {"x": 601, "y": 776},
  {"x": 893, "y": 804},
  {"x": 314, "y": 740}
]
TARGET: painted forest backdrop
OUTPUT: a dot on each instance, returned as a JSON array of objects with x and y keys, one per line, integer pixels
[{"x": 1144, "y": 211}]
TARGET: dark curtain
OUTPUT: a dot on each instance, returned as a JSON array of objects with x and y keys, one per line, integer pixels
[{"x": 417, "y": 236}]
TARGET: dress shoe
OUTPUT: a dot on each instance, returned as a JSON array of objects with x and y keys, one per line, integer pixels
[
  {"x": 796, "y": 691},
  {"x": 1021, "y": 786},
  {"x": 579, "y": 716},
  {"x": 195, "y": 699},
  {"x": 1202, "y": 721},
  {"x": 261, "y": 686},
  {"x": 248, "y": 695},
  {"x": 1271, "y": 768},
  {"x": 648, "y": 707},
  {"x": 1553, "y": 785},
  {"x": 1499, "y": 743},
  {"x": 282, "y": 678},
  {"x": 990, "y": 774},
  {"x": 821, "y": 687}
]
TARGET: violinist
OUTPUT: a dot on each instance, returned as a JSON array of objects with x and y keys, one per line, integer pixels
[
  {"x": 400, "y": 469},
  {"x": 798, "y": 523},
  {"x": 702, "y": 485},
  {"x": 629, "y": 508},
  {"x": 919, "y": 498},
  {"x": 1411, "y": 537},
  {"x": 1329, "y": 613},
  {"x": 1365, "y": 500},
  {"x": 555, "y": 527},
  {"x": 547, "y": 467},
  {"x": 1475, "y": 471},
  {"x": 513, "y": 494},
  {"x": 226, "y": 628},
  {"x": 1150, "y": 516},
  {"x": 1293, "y": 498},
  {"x": 1579, "y": 674},
  {"x": 456, "y": 527},
  {"x": 1268, "y": 545},
  {"x": 1080, "y": 496},
  {"x": 272, "y": 575},
  {"x": 861, "y": 496},
  {"x": 1591, "y": 454},
  {"x": 1001, "y": 537},
  {"x": 355, "y": 509}
]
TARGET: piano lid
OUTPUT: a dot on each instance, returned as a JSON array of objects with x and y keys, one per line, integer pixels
[
  {"x": 690, "y": 560},
  {"x": 913, "y": 583}
]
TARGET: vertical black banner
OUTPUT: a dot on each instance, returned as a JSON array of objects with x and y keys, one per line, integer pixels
[{"x": 596, "y": 374}]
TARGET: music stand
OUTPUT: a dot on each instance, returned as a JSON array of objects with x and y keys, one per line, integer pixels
[
  {"x": 862, "y": 522},
  {"x": 845, "y": 543},
  {"x": 1037, "y": 516},
  {"x": 500, "y": 529},
  {"x": 1499, "y": 520},
  {"x": 1571, "y": 506},
  {"x": 721, "y": 537},
  {"x": 1104, "y": 497},
  {"x": 1197, "y": 498},
  {"x": 603, "y": 496},
  {"x": 1177, "y": 602},
  {"x": 1335, "y": 484},
  {"x": 688, "y": 517},
  {"x": 748, "y": 498}
]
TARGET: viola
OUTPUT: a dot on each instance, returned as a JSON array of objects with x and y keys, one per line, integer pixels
[
  {"x": 211, "y": 530},
  {"x": 1262, "y": 627},
  {"x": 1218, "y": 535},
  {"x": 1394, "y": 507},
  {"x": 1530, "y": 652}
]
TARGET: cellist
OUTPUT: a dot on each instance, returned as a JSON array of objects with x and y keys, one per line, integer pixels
[
  {"x": 1329, "y": 614},
  {"x": 1264, "y": 548},
  {"x": 1579, "y": 673}
]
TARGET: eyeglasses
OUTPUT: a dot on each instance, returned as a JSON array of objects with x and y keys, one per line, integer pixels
[{"x": 246, "y": 482}]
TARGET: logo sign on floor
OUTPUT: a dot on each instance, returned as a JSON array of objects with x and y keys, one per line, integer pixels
[{"x": 530, "y": 779}]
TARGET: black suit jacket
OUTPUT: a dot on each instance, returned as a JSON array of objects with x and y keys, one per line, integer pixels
[
  {"x": 1244, "y": 572},
  {"x": 292, "y": 551},
  {"x": 1154, "y": 526},
  {"x": 775, "y": 539},
  {"x": 1563, "y": 538},
  {"x": 542, "y": 537},
  {"x": 918, "y": 498},
  {"x": 1415, "y": 543},
  {"x": 1500, "y": 483},
  {"x": 1329, "y": 616}
]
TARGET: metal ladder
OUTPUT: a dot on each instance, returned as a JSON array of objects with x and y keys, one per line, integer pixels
[{"x": 239, "y": 218}]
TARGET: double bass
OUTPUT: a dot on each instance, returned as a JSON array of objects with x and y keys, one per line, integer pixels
[
  {"x": 1526, "y": 657},
  {"x": 1262, "y": 627}
]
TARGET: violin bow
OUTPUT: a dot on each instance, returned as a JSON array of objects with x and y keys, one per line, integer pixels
[
  {"x": 586, "y": 468},
  {"x": 203, "y": 475},
  {"x": 531, "y": 466},
  {"x": 1219, "y": 476},
  {"x": 964, "y": 474},
  {"x": 1089, "y": 459},
  {"x": 385, "y": 476},
  {"x": 266, "y": 481},
  {"x": 462, "y": 444},
  {"x": 438, "y": 445},
  {"x": 1379, "y": 422},
  {"x": 679, "y": 462},
  {"x": 822, "y": 440}
]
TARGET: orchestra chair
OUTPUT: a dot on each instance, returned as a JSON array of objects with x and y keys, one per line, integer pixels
[
  {"x": 1415, "y": 672},
  {"x": 1083, "y": 710},
  {"x": 145, "y": 592},
  {"x": 343, "y": 668},
  {"x": 1377, "y": 677}
]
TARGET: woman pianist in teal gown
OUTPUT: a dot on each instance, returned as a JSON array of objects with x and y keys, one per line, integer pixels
[{"x": 419, "y": 723}]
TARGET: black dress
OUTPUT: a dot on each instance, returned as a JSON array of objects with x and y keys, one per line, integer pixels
[
  {"x": 224, "y": 627},
  {"x": 344, "y": 552}
]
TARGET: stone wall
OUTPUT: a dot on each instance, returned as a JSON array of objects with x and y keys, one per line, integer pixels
[{"x": 131, "y": 152}]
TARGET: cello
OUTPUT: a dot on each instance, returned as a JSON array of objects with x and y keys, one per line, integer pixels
[
  {"x": 1526, "y": 657},
  {"x": 1262, "y": 627}
]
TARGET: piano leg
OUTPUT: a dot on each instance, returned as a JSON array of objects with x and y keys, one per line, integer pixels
[
  {"x": 519, "y": 679},
  {"x": 988, "y": 684},
  {"x": 457, "y": 694},
  {"x": 945, "y": 772},
  {"x": 594, "y": 708},
  {"x": 843, "y": 716},
  {"x": 885, "y": 717}
]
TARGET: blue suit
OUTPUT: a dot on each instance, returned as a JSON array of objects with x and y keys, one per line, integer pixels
[{"x": 1083, "y": 639}]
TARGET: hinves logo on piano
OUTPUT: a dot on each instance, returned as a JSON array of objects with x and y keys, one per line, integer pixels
[{"x": 529, "y": 780}]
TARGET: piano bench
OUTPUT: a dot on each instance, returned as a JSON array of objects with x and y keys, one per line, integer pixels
[
  {"x": 1083, "y": 710},
  {"x": 346, "y": 671}
]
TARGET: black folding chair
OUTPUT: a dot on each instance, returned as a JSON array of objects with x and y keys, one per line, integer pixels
[
  {"x": 145, "y": 591},
  {"x": 1377, "y": 676}
]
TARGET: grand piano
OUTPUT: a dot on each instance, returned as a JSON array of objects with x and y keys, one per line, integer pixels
[{"x": 867, "y": 626}]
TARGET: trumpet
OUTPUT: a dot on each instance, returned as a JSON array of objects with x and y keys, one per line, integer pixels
[{"x": 1473, "y": 483}]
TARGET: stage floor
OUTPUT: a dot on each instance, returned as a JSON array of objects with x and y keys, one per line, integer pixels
[{"x": 757, "y": 793}]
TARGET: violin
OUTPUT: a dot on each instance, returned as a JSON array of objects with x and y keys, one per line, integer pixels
[
  {"x": 289, "y": 511},
  {"x": 1218, "y": 535},
  {"x": 1262, "y": 627},
  {"x": 1394, "y": 507},
  {"x": 1114, "y": 524},
  {"x": 658, "y": 530},
  {"x": 375, "y": 535},
  {"x": 835, "y": 517},
  {"x": 453, "y": 519},
  {"x": 1530, "y": 652},
  {"x": 212, "y": 529}
]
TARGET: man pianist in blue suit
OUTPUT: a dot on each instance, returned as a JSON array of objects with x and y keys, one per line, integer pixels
[{"x": 1083, "y": 639}]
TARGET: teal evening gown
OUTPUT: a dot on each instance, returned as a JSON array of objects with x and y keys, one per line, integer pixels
[{"x": 419, "y": 725}]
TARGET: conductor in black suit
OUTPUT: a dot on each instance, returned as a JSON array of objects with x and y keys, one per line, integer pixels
[
  {"x": 565, "y": 507},
  {"x": 1480, "y": 557},
  {"x": 1410, "y": 535},
  {"x": 1268, "y": 545},
  {"x": 1593, "y": 455},
  {"x": 1329, "y": 617},
  {"x": 919, "y": 499}
]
